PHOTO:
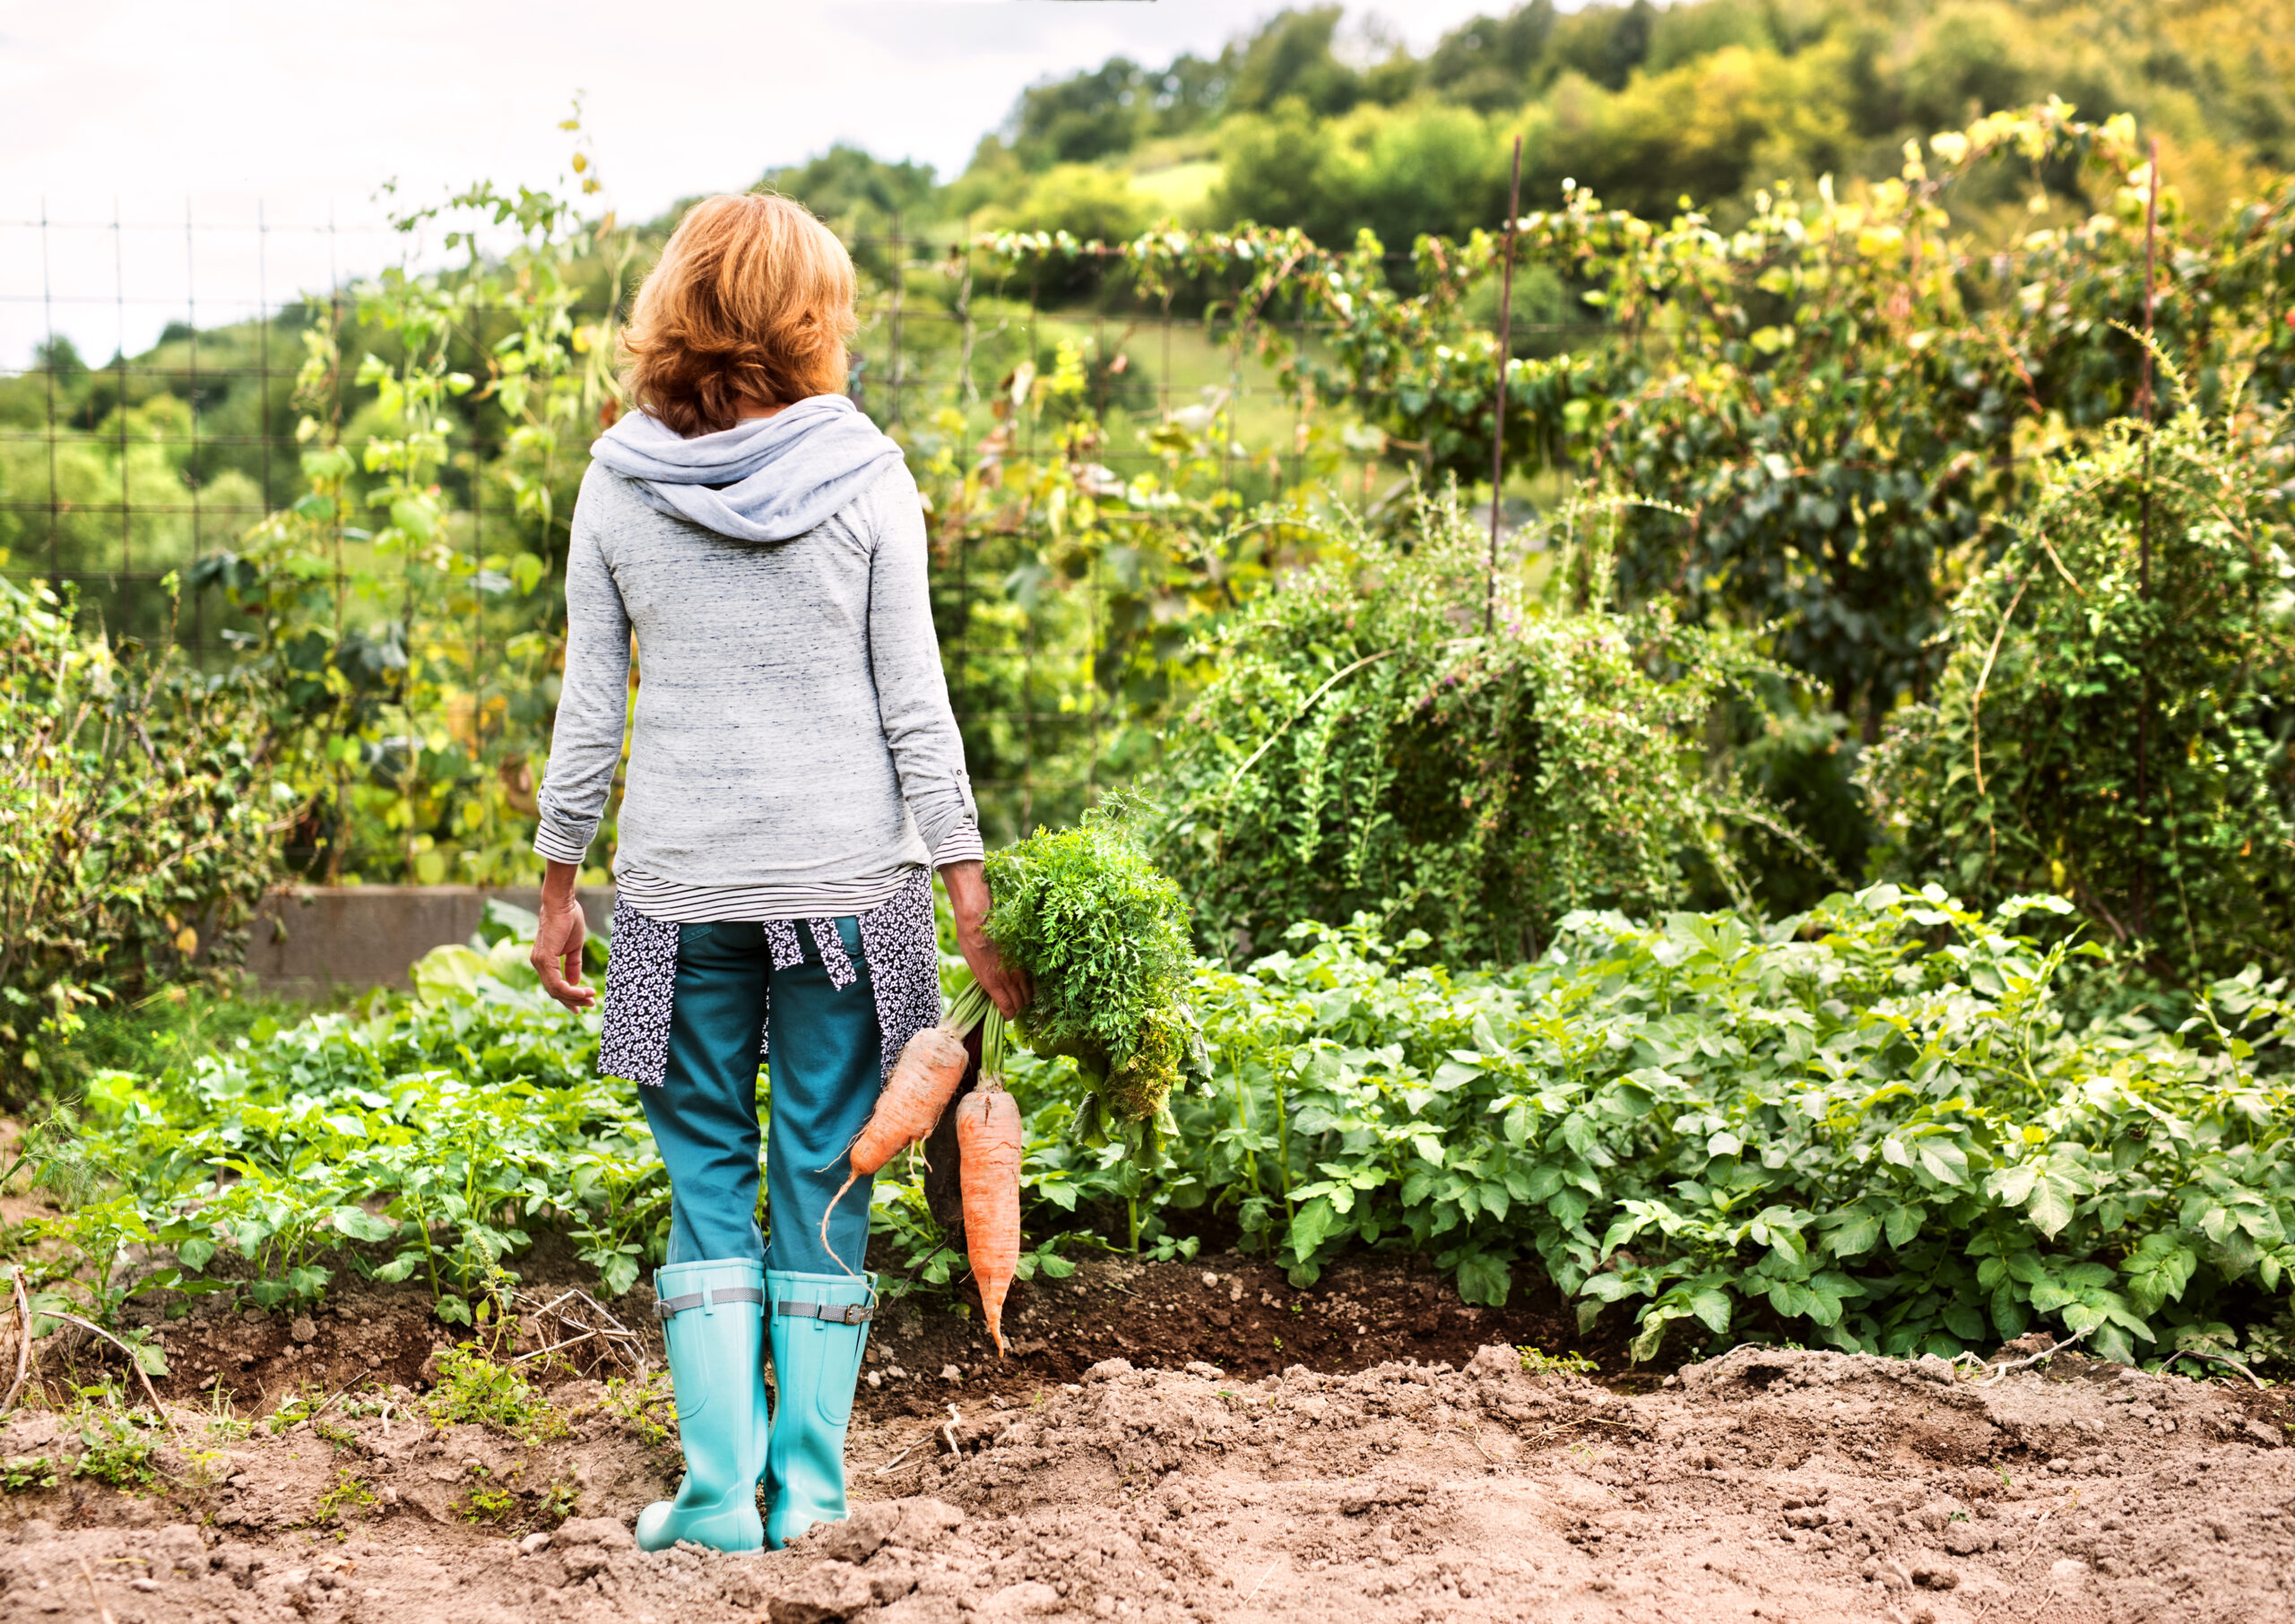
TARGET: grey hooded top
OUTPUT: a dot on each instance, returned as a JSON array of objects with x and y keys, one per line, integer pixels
[{"x": 794, "y": 754}]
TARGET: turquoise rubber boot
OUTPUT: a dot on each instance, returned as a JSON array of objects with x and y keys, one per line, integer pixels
[
  {"x": 819, "y": 1323},
  {"x": 713, "y": 1318}
]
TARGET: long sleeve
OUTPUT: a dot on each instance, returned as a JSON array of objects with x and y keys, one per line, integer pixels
[
  {"x": 904, "y": 658},
  {"x": 592, "y": 703}
]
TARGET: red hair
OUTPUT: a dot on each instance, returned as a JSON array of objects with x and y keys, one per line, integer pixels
[{"x": 752, "y": 300}]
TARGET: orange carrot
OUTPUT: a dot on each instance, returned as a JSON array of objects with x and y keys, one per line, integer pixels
[
  {"x": 932, "y": 1065},
  {"x": 988, "y": 1137}
]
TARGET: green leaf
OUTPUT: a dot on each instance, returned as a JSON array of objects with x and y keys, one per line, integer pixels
[
  {"x": 1712, "y": 1305},
  {"x": 1311, "y": 1225},
  {"x": 2050, "y": 1206},
  {"x": 1854, "y": 1233},
  {"x": 1964, "y": 1322},
  {"x": 1652, "y": 1336},
  {"x": 2008, "y": 1315},
  {"x": 360, "y": 1224},
  {"x": 1944, "y": 1162},
  {"x": 2051, "y": 1297},
  {"x": 1484, "y": 1279},
  {"x": 2011, "y": 1185}
]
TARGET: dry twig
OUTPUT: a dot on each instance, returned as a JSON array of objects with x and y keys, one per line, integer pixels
[
  {"x": 1271, "y": 1566},
  {"x": 588, "y": 1321},
  {"x": 23, "y": 1345},
  {"x": 89, "y": 1574},
  {"x": 2217, "y": 1358},
  {"x": 2000, "y": 1371},
  {"x": 134, "y": 1364}
]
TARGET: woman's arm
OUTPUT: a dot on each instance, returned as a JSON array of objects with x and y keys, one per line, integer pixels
[
  {"x": 904, "y": 658},
  {"x": 584, "y": 755},
  {"x": 1006, "y": 986},
  {"x": 593, "y": 704},
  {"x": 920, "y": 730}
]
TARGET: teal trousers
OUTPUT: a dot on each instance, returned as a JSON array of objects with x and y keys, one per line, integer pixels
[{"x": 824, "y": 1050}]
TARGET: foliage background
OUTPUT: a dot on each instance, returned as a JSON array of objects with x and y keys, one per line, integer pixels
[{"x": 1829, "y": 436}]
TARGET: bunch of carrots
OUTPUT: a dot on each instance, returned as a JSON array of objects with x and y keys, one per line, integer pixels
[
  {"x": 930, "y": 1071},
  {"x": 1103, "y": 937}
]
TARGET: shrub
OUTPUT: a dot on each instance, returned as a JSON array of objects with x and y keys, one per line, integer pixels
[
  {"x": 2117, "y": 730},
  {"x": 138, "y": 809},
  {"x": 1869, "y": 1125},
  {"x": 1365, "y": 747}
]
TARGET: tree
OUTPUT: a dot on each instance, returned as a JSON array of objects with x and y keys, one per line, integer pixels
[
  {"x": 1291, "y": 57},
  {"x": 1495, "y": 64}
]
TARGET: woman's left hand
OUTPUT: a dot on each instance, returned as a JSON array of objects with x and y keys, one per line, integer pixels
[{"x": 1006, "y": 986}]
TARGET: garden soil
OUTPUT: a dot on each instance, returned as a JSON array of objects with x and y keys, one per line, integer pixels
[{"x": 1389, "y": 1471}]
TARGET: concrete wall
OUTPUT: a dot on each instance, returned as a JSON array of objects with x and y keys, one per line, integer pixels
[{"x": 307, "y": 941}]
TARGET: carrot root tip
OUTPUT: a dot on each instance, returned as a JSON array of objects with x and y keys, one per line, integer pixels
[{"x": 826, "y": 1212}]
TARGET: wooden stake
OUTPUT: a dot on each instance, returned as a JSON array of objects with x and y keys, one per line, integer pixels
[
  {"x": 2143, "y": 910},
  {"x": 1505, "y": 339}
]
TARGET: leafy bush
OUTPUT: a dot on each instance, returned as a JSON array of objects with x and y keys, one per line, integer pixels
[
  {"x": 2114, "y": 721},
  {"x": 1365, "y": 747},
  {"x": 117, "y": 1442},
  {"x": 1867, "y": 1125},
  {"x": 477, "y": 1386},
  {"x": 137, "y": 805}
]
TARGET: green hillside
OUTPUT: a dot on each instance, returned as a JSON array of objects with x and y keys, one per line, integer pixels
[{"x": 1300, "y": 123}]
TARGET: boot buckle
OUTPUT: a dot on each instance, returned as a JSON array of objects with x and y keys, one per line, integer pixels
[{"x": 828, "y": 1313}]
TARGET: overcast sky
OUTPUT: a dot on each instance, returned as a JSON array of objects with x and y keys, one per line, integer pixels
[{"x": 189, "y": 123}]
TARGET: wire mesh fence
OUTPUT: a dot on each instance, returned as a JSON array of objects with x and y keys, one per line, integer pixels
[{"x": 118, "y": 475}]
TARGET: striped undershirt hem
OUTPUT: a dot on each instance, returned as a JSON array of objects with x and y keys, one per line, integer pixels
[{"x": 681, "y": 905}]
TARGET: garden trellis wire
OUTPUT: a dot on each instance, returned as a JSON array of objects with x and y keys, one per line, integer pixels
[{"x": 116, "y": 475}]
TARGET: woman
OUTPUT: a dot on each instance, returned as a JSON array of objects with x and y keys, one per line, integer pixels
[{"x": 794, "y": 768}]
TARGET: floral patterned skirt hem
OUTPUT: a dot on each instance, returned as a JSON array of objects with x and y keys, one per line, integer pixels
[{"x": 896, "y": 939}]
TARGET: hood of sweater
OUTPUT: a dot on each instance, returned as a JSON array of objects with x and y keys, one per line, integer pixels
[{"x": 763, "y": 480}]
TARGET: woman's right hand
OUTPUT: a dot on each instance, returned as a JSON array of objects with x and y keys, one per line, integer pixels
[
  {"x": 1008, "y": 987},
  {"x": 557, "y": 957}
]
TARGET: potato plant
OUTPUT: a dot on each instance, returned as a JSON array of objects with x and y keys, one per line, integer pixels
[{"x": 1866, "y": 1126}]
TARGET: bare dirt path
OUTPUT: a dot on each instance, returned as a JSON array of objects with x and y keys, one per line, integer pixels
[{"x": 1770, "y": 1485}]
